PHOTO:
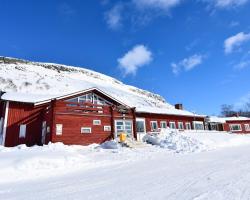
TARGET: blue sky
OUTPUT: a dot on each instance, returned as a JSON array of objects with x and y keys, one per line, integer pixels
[{"x": 196, "y": 52}]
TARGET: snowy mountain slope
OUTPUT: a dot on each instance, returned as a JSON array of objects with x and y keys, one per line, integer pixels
[{"x": 23, "y": 76}]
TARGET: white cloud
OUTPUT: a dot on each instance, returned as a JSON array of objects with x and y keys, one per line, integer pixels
[
  {"x": 114, "y": 16},
  {"x": 245, "y": 62},
  {"x": 234, "y": 24},
  {"x": 242, "y": 101},
  {"x": 66, "y": 9},
  {"x": 187, "y": 64},
  {"x": 235, "y": 41},
  {"x": 225, "y": 4},
  {"x": 135, "y": 58},
  {"x": 229, "y": 3},
  {"x": 242, "y": 64},
  {"x": 159, "y": 4}
]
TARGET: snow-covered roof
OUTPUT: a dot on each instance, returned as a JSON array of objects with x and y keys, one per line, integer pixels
[
  {"x": 37, "y": 99},
  {"x": 168, "y": 111},
  {"x": 216, "y": 119},
  {"x": 237, "y": 119},
  {"x": 40, "y": 99},
  {"x": 225, "y": 119},
  {"x": 35, "y": 81},
  {"x": 27, "y": 97}
]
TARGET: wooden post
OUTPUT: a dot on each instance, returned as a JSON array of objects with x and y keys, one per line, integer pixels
[
  {"x": 134, "y": 123},
  {"x": 112, "y": 122},
  {"x": 53, "y": 126}
]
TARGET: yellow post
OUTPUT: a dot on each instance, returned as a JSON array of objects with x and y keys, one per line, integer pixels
[{"x": 123, "y": 137}]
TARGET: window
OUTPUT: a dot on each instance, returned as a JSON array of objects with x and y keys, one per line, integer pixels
[
  {"x": 235, "y": 127},
  {"x": 180, "y": 125},
  {"x": 22, "y": 131},
  {"x": 123, "y": 126},
  {"x": 247, "y": 127},
  {"x": 163, "y": 124},
  {"x": 172, "y": 125},
  {"x": 140, "y": 125},
  {"x": 91, "y": 98},
  {"x": 188, "y": 126},
  {"x": 86, "y": 130},
  {"x": 154, "y": 125},
  {"x": 198, "y": 125},
  {"x": 107, "y": 128},
  {"x": 59, "y": 129},
  {"x": 96, "y": 122}
]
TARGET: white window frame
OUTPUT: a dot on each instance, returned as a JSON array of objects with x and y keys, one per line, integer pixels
[
  {"x": 84, "y": 130},
  {"x": 59, "y": 129},
  {"x": 22, "y": 130},
  {"x": 97, "y": 122},
  {"x": 116, "y": 134},
  {"x": 231, "y": 125},
  {"x": 151, "y": 125},
  {"x": 188, "y": 126},
  {"x": 144, "y": 124},
  {"x": 107, "y": 128},
  {"x": 181, "y": 125},
  {"x": 173, "y": 124},
  {"x": 247, "y": 127},
  {"x": 163, "y": 122},
  {"x": 199, "y": 123}
]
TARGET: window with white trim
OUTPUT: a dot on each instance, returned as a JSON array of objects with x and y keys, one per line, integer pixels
[
  {"x": 188, "y": 125},
  {"x": 22, "y": 131},
  {"x": 86, "y": 130},
  {"x": 140, "y": 125},
  {"x": 198, "y": 125},
  {"x": 96, "y": 122},
  {"x": 154, "y": 126},
  {"x": 172, "y": 125},
  {"x": 247, "y": 127},
  {"x": 91, "y": 98},
  {"x": 107, "y": 128},
  {"x": 180, "y": 125},
  {"x": 59, "y": 129},
  {"x": 235, "y": 127},
  {"x": 163, "y": 124}
]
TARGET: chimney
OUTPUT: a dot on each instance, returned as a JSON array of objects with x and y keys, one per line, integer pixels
[
  {"x": 178, "y": 106},
  {"x": 236, "y": 115}
]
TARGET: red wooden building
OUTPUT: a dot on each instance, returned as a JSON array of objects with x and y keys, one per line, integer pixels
[
  {"x": 234, "y": 124},
  {"x": 85, "y": 117}
]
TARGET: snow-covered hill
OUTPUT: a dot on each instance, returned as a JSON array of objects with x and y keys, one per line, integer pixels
[{"x": 23, "y": 76}]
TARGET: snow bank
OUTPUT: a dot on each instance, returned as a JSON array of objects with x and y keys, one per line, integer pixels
[
  {"x": 112, "y": 144},
  {"x": 175, "y": 141},
  {"x": 216, "y": 139}
]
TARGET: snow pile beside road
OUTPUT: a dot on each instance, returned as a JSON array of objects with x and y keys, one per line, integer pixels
[
  {"x": 175, "y": 141},
  {"x": 215, "y": 139},
  {"x": 110, "y": 145}
]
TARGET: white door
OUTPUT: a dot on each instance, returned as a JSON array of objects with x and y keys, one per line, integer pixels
[
  {"x": 140, "y": 128},
  {"x": 43, "y": 132},
  {"x": 123, "y": 126}
]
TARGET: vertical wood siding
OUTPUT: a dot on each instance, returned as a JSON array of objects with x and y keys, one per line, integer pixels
[{"x": 21, "y": 113}]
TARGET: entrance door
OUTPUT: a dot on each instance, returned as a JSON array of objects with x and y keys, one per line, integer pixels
[
  {"x": 43, "y": 132},
  {"x": 123, "y": 126},
  {"x": 140, "y": 128}
]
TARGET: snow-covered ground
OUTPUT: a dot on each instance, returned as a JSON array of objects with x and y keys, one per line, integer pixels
[{"x": 218, "y": 170}]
